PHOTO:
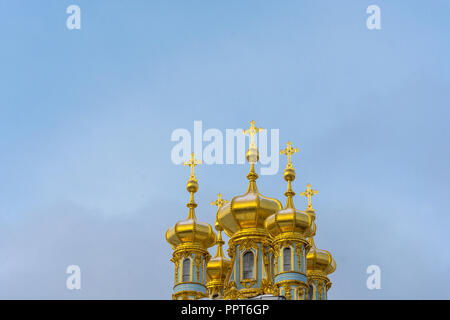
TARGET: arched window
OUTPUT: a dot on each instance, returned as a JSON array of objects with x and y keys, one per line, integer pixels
[
  {"x": 248, "y": 260},
  {"x": 287, "y": 259},
  {"x": 271, "y": 265},
  {"x": 186, "y": 270},
  {"x": 310, "y": 292}
]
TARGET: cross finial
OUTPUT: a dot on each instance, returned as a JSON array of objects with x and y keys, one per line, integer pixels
[
  {"x": 289, "y": 151},
  {"x": 192, "y": 163},
  {"x": 252, "y": 131},
  {"x": 219, "y": 202},
  {"x": 308, "y": 193}
]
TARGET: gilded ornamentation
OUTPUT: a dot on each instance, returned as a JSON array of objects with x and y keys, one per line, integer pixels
[
  {"x": 248, "y": 244},
  {"x": 287, "y": 292},
  {"x": 266, "y": 286},
  {"x": 231, "y": 292}
]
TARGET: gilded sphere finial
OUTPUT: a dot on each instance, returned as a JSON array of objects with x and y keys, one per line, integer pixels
[
  {"x": 289, "y": 174},
  {"x": 192, "y": 186},
  {"x": 217, "y": 226},
  {"x": 252, "y": 155}
]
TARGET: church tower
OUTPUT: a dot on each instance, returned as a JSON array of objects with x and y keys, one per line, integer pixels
[
  {"x": 290, "y": 228},
  {"x": 243, "y": 221},
  {"x": 190, "y": 240}
]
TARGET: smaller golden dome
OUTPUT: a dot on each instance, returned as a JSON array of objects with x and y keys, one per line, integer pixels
[
  {"x": 191, "y": 231},
  {"x": 319, "y": 262},
  {"x": 218, "y": 267},
  {"x": 289, "y": 219}
]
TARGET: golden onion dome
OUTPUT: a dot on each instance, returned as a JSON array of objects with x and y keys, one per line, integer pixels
[
  {"x": 250, "y": 210},
  {"x": 289, "y": 219},
  {"x": 191, "y": 231},
  {"x": 319, "y": 262}
]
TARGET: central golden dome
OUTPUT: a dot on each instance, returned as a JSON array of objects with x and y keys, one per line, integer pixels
[{"x": 250, "y": 210}]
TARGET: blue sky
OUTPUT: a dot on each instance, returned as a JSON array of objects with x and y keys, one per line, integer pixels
[{"x": 86, "y": 117}]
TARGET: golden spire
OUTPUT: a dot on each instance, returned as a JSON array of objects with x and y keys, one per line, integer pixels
[
  {"x": 219, "y": 203},
  {"x": 252, "y": 156},
  {"x": 289, "y": 173},
  {"x": 289, "y": 221},
  {"x": 192, "y": 185},
  {"x": 308, "y": 193},
  {"x": 190, "y": 231},
  {"x": 220, "y": 243},
  {"x": 218, "y": 267},
  {"x": 289, "y": 151}
]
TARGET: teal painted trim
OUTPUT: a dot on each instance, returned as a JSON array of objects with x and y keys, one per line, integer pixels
[
  {"x": 189, "y": 287},
  {"x": 290, "y": 276}
]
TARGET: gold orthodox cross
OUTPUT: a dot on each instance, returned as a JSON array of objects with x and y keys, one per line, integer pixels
[
  {"x": 192, "y": 163},
  {"x": 289, "y": 151},
  {"x": 219, "y": 202},
  {"x": 252, "y": 131},
  {"x": 308, "y": 193}
]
